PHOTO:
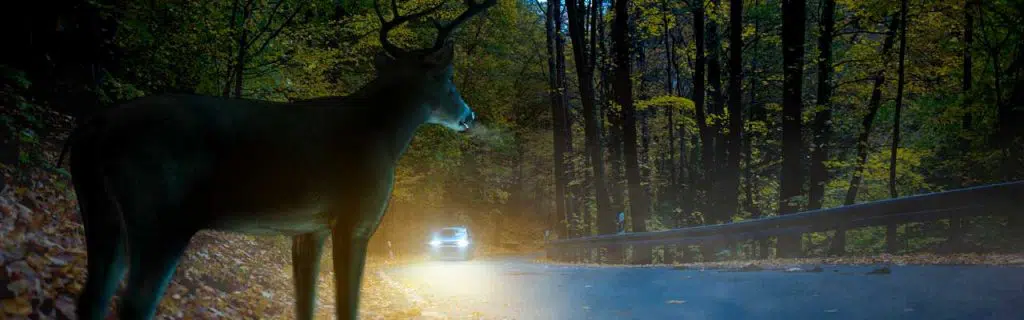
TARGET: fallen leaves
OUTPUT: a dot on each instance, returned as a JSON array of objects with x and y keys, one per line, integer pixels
[
  {"x": 38, "y": 274},
  {"x": 17, "y": 307},
  {"x": 220, "y": 276}
]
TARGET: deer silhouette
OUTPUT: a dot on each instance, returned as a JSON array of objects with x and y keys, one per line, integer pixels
[{"x": 153, "y": 171}]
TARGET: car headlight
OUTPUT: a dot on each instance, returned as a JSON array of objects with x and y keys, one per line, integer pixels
[
  {"x": 462, "y": 243},
  {"x": 435, "y": 243}
]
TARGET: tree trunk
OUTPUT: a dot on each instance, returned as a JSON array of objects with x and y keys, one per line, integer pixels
[
  {"x": 791, "y": 184},
  {"x": 839, "y": 242},
  {"x": 818, "y": 175},
  {"x": 558, "y": 115},
  {"x": 571, "y": 169},
  {"x": 968, "y": 71},
  {"x": 686, "y": 183},
  {"x": 730, "y": 198},
  {"x": 890, "y": 229},
  {"x": 716, "y": 198},
  {"x": 229, "y": 75},
  {"x": 755, "y": 113},
  {"x": 673, "y": 179},
  {"x": 705, "y": 180},
  {"x": 622, "y": 87},
  {"x": 243, "y": 45},
  {"x": 614, "y": 117},
  {"x": 957, "y": 225},
  {"x": 592, "y": 119}
]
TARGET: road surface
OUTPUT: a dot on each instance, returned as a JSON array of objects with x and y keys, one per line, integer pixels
[{"x": 516, "y": 288}]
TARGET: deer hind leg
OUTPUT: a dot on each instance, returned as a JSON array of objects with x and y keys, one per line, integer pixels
[
  {"x": 349, "y": 254},
  {"x": 306, "y": 251},
  {"x": 105, "y": 250},
  {"x": 154, "y": 256}
]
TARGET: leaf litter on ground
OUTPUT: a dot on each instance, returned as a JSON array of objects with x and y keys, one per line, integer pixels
[{"x": 221, "y": 275}]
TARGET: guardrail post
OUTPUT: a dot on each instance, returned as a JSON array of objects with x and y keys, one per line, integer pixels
[
  {"x": 641, "y": 254},
  {"x": 891, "y": 238},
  {"x": 955, "y": 243},
  {"x": 668, "y": 254},
  {"x": 838, "y": 245},
  {"x": 613, "y": 253}
]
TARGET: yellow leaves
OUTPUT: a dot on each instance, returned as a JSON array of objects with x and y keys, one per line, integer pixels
[
  {"x": 18, "y": 306},
  {"x": 19, "y": 287},
  {"x": 673, "y": 102}
]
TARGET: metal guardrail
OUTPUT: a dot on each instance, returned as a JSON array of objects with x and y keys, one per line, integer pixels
[{"x": 1004, "y": 199}]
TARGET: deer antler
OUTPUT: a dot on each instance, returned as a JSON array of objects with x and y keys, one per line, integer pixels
[
  {"x": 396, "y": 20},
  {"x": 443, "y": 31}
]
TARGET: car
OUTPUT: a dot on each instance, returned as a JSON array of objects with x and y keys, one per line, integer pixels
[{"x": 452, "y": 243}]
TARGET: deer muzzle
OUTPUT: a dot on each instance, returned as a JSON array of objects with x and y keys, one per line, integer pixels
[{"x": 467, "y": 120}]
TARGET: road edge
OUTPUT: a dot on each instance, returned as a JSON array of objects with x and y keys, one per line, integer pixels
[{"x": 411, "y": 296}]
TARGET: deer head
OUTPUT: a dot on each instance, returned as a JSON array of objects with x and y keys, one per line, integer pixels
[{"x": 430, "y": 68}]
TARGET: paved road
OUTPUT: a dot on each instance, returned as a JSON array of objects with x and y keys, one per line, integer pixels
[{"x": 515, "y": 288}]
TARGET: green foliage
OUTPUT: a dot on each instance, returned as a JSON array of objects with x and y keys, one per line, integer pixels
[
  {"x": 676, "y": 103},
  {"x": 504, "y": 171}
]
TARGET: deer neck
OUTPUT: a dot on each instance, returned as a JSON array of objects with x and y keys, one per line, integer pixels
[{"x": 396, "y": 116}]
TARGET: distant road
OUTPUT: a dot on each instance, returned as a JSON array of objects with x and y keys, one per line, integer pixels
[{"x": 515, "y": 288}]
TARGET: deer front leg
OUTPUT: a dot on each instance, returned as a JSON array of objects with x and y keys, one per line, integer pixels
[
  {"x": 306, "y": 251},
  {"x": 349, "y": 256},
  {"x": 350, "y": 238}
]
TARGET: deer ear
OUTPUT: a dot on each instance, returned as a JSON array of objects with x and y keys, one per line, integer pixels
[{"x": 442, "y": 57}]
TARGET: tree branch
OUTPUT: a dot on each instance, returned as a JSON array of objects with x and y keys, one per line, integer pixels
[
  {"x": 266, "y": 26},
  {"x": 271, "y": 37}
]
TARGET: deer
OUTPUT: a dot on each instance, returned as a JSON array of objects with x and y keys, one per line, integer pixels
[{"x": 153, "y": 171}]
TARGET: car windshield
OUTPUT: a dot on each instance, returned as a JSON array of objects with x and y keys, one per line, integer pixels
[
  {"x": 448, "y": 233},
  {"x": 451, "y": 233}
]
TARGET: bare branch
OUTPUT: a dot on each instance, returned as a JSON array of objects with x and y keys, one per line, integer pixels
[
  {"x": 273, "y": 35},
  {"x": 270, "y": 19}
]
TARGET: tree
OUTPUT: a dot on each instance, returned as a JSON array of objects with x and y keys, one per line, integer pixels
[
  {"x": 622, "y": 87},
  {"x": 890, "y": 229},
  {"x": 791, "y": 186},
  {"x": 717, "y": 112},
  {"x": 967, "y": 121},
  {"x": 866, "y": 124},
  {"x": 839, "y": 240},
  {"x": 559, "y": 121},
  {"x": 818, "y": 175},
  {"x": 251, "y": 44},
  {"x": 706, "y": 138},
  {"x": 576, "y": 10},
  {"x": 730, "y": 200}
]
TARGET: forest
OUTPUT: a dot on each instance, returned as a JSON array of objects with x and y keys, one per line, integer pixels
[{"x": 678, "y": 113}]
